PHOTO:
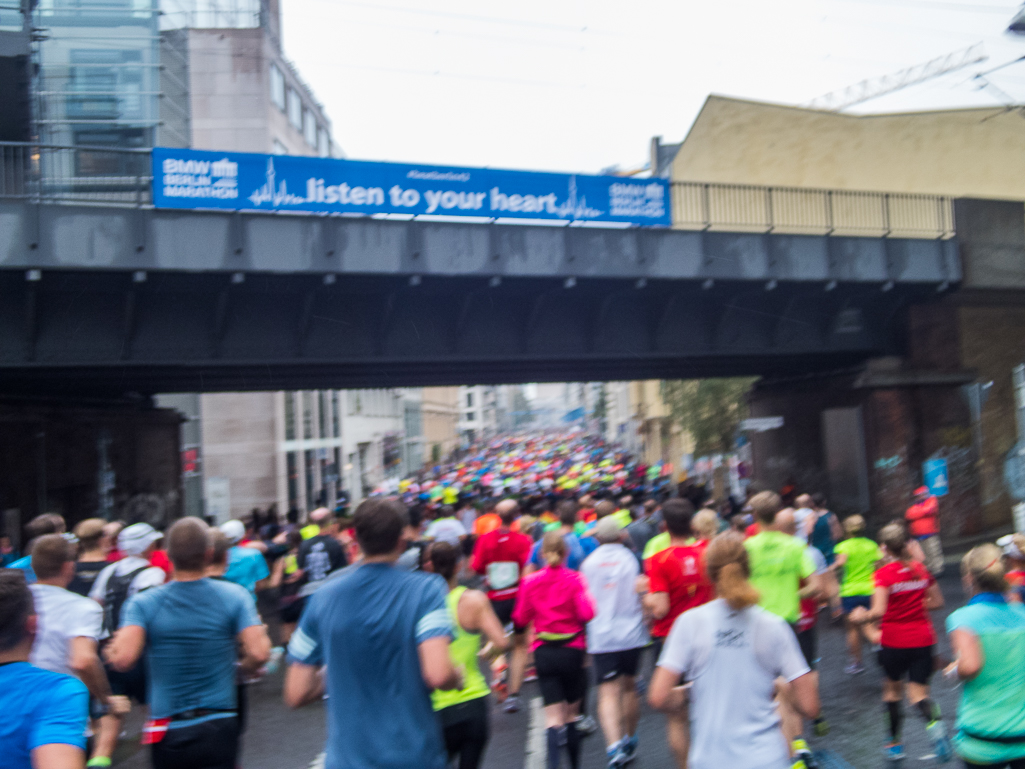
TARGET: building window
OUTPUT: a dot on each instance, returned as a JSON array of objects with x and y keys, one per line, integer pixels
[
  {"x": 295, "y": 110},
  {"x": 310, "y": 127},
  {"x": 290, "y": 416},
  {"x": 469, "y": 400},
  {"x": 277, "y": 87},
  {"x": 322, "y": 414},
  {"x": 307, "y": 401},
  {"x": 279, "y": 148},
  {"x": 336, "y": 424},
  {"x": 323, "y": 143},
  {"x": 470, "y": 416},
  {"x": 293, "y": 480}
]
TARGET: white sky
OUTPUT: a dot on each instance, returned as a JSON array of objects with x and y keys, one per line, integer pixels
[{"x": 578, "y": 85}]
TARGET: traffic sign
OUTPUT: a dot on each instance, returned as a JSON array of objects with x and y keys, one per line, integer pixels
[{"x": 934, "y": 471}]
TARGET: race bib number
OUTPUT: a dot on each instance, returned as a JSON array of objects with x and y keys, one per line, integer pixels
[{"x": 503, "y": 574}]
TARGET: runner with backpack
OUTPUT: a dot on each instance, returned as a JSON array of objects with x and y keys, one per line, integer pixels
[{"x": 112, "y": 588}]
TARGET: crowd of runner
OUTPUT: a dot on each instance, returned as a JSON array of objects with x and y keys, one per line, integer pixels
[{"x": 555, "y": 558}]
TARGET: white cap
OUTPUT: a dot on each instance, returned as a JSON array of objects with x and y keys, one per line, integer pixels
[
  {"x": 1010, "y": 548},
  {"x": 134, "y": 539},
  {"x": 234, "y": 530}
]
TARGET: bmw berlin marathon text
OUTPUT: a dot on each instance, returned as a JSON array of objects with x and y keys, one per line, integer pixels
[{"x": 240, "y": 181}]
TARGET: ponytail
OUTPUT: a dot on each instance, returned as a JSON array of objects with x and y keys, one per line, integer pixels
[
  {"x": 553, "y": 548},
  {"x": 985, "y": 565},
  {"x": 727, "y": 564}
]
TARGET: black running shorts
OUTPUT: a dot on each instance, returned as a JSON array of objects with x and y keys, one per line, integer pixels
[
  {"x": 560, "y": 673},
  {"x": 916, "y": 664},
  {"x": 608, "y": 666},
  {"x": 504, "y": 611}
]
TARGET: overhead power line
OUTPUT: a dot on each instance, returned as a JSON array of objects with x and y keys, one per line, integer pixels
[{"x": 837, "y": 101}]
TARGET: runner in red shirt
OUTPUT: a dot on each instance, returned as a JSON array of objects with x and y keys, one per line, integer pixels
[
  {"x": 677, "y": 581},
  {"x": 905, "y": 593},
  {"x": 500, "y": 555}
]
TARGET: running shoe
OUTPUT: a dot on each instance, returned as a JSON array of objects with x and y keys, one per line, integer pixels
[
  {"x": 512, "y": 703},
  {"x": 614, "y": 754},
  {"x": 803, "y": 758},
  {"x": 587, "y": 726},
  {"x": 940, "y": 742},
  {"x": 628, "y": 749},
  {"x": 854, "y": 668},
  {"x": 894, "y": 752},
  {"x": 821, "y": 727},
  {"x": 530, "y": 674}
]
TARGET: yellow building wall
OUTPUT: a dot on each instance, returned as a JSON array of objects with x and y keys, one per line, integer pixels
[{"x": 957, "y": 153}]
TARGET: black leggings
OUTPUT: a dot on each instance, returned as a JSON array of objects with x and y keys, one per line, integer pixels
[
  {"x": 1014, "y": 763},
  {"x": 466, "y": 731}
]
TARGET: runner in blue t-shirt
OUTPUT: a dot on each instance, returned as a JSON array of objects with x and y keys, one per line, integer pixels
[
  {"x": 384, "y": 635},
  {"x": 44, "y": 713},
  {"x": 192, "y": 631},
  {"x": 576, "y": 554},
  {"x": 246, "y": 565}
]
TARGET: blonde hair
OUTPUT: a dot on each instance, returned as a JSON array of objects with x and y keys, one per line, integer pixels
[
  {"x": 765, "y": 505},
  {"x": 853, "y": 525},
  {"x": 727, "y": 564},
  {"x": 705, "y": 523},
  {"x": 985, "y": 565},
  {"x": 894, "y": 537},
  {"x": 553, "y": 548}
]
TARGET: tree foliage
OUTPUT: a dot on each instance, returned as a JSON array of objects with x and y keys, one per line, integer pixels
[{"x": 711, "y": 410}]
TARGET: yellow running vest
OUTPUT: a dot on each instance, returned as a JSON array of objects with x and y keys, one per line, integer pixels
[{"x": 463, "y": 651}]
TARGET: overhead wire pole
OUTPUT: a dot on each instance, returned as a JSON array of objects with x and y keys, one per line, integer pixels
[{"x": 837, "y": 101}]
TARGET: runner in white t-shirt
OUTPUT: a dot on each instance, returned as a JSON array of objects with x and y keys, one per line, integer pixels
[
  {"x": 67, "y": 633},
  {"x": 615, "y": 638},
  {"x": 733, "y": 654},
  {"x": 446, "y": 527}
]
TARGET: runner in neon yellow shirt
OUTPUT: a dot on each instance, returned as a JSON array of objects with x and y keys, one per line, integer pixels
[{"x": 857, "y": 556}]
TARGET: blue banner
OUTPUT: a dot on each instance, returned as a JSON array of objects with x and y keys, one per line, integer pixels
[
  {"x": 240, "y": 181},
  {"x": 934, "y": 472}
]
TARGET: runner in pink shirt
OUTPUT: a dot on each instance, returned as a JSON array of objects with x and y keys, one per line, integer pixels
[{"x": 556, "y": 600}]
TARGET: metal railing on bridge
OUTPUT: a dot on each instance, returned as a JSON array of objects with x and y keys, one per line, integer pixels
[
  {"x": 117, "y": 176},
  {"x": 733, "y": 207},
  {"x": 83, "y": 174}
]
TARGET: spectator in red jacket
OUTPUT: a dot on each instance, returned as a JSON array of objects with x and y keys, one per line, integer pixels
[{"x": 924, "y": 525}]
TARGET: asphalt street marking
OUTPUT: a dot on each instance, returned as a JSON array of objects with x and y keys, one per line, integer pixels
[{"x": 536, "y": 746}]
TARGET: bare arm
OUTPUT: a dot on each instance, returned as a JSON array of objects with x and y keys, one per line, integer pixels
[
  {"x": 663, "y": 691},
  {"x": 657, "y": 604},
  {"x": 933, "y": 598},
  {"x": 968, "y": 653},
  {"x": 811, "y": 586},
  {"x": 436, "y": 665},
  {"x": 85, "y": 663},
  {"x": 255, "y": 648},
  {"x": 126, "y": 647},
  {"x": 482, "y": 618},
  {"x": 277, "y": 573},
  {"x": 58, "y": 756},
  {"x": 303, "y": 683},
  {"x": 804, "y": 695}
]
